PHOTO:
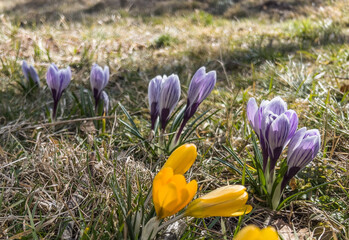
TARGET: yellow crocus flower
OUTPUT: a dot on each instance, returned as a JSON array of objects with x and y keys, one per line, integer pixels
[
  {"x": 228, "y": 201},
  {"x": 252, "y": 232},
  {"x": 171, "y": 192},
  {"x": 182, "y": 158}
]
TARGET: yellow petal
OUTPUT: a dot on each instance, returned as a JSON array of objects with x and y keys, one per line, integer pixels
[
  {"x": 252, "y": 232},
  {"x": 224, "y": 193},
  {"x": 182, "y": 158}
]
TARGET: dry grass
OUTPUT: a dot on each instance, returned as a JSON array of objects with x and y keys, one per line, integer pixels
[{"x": 55, "y": 179}]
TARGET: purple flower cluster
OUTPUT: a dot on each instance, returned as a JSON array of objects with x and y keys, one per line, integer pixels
[
  {"x": 164, "y": 93},
  {"x": 30, "y": 73},
  {"x": 276, "y": 127}
]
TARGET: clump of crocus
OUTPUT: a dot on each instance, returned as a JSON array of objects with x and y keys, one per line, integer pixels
[
  {"x": 99, "y": 79},
  {"x": 30, "y": 75},
  {"x": 200, "y": 87},
  {"x": 154, "y": 91},
  {"x": 228, "y": 201},
  {"x": 58, "y": 81},
  {"x": 274, "y": 126},
  {"x": 252, "y": 232}
]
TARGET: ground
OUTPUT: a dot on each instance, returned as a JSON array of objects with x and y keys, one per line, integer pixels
[{"x": 61, "y": 175}]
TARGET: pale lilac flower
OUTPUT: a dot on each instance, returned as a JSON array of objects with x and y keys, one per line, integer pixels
[
  {"x": 30, "y": 73},
  {"x": 169, "y": 97},
  {"x": 200, "y": 87},
  {"x": 274, "y": 126},
  {"x": 99, "y": 79},
  {"x": 154, "y": 91},
  {"x": 302, "y": 149},
  {"x": 58, "y": 81}
]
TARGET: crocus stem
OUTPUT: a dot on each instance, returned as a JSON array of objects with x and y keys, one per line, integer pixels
[
  {"x": 169, "y": 222},
  {"x": 161, "y": 140},
  {"x": 54, "y": 111},
  {"x": 103, "y": 123}
]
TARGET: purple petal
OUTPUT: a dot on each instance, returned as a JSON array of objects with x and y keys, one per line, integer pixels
[
  {"x": 170, "y": 93},
  {"x": 194, "y": 86},
  {"x": 207, "y": 85},
  {"x": 34, "y": 75},
  {"x": 251, "y": 111},
  {"x": 64, "y": 77},
  {"x": 293, "y": 118},
  {"x": 277, "y": 106},
  {"x": 106, "y": 76},
  {"x": 296, "y": 140},
  {"x": 97, "y": 78},
  {"x": 277, "y": 136},
  {"x": 52, "y": 77}
]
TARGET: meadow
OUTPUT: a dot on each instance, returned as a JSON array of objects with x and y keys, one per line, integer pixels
[{"x": 81, "y": 177}]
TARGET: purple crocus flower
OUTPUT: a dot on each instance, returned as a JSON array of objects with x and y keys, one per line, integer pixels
[
  {"x": 274, "y": 126},
  {"x": 99, "y": 79},
  {"x": 169, "y": 96},
  {"x": 58, "y": 81},
  {"x": 200, "y": 87},
  {"x": 302, "y": 149},
  {"x": 154, "y": 91},
  {"x": 30, "y": 73}
]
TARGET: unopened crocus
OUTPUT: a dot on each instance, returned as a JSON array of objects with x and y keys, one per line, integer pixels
[
  {"x": 171, "y": 192},
  {"x": 200, "y": 87},
  {"x": 182, "y": 158},
  {"x": 228, "y": 201},
  {"x": 252, "y": 232},
  {"x": 274, "y": 126},
  {"x": 154, "y": 90},
  {"x": 30, "y": 74},
  {"x": 302, "y": 149},
  {"x": 58, "y": 80},
  {"x": 169, "y": 96},
  {"x": 99, "y": 79}
]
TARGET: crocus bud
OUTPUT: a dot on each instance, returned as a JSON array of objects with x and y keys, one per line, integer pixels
[
  {"x": 58, "y": 81},
  {"x": 30, "y": 73},
  {"x": 169, "y": 96},
  {"x": 200, "y": 87},
  {"x": 171, "y": 192},
  {"x": 274, "y": 126},
  {"x": 98, "y": 79},
  {"x": 302, "y": 149},
  {"x": 154, "y": 90},
  {"x": 182, "y": 158},
  {"x": 228, "y": 201},
  {"x": 252, "y": 232},
  {"x": 105, "y": 99}
]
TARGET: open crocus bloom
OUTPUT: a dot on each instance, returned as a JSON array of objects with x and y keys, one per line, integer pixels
[
  {"x": 274, "y": 126},
  {"x": 252, "y": 232},
  {"x": 228, "y": 201},
  {"x": 182, "y": 158},
  {"x": 171, "y": 193}
]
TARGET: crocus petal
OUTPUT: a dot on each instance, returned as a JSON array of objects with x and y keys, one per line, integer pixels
[
  {"x": 194, "y": 86},
  {"x": 34, "y": 75},
  {"x": 226, "y": 202},
  {"x": 25, "y": 70},
  {"x": 65, "y": 77},
  {"x": 293, "y": 118},
  {"x": 251, "y": 111},
  {"x": 105, "y": 98},
  {"x": 208, "y": 84},
  {"x": 170, "y": 93},
  {"x": 252, "y": 232},
  {"x": 171, "y": 193},
  {"x": 106, "y": 76},
  {"x": 276, "y": 106},
  {"x": 52, "y": 78},
  {"x": 182, "y": 158}
]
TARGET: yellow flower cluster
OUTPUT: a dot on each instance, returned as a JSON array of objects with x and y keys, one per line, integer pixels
[{"x": 171, "y": 192}]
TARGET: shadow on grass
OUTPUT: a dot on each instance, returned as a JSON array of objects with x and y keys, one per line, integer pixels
[{"x": 38, "y": 11}]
